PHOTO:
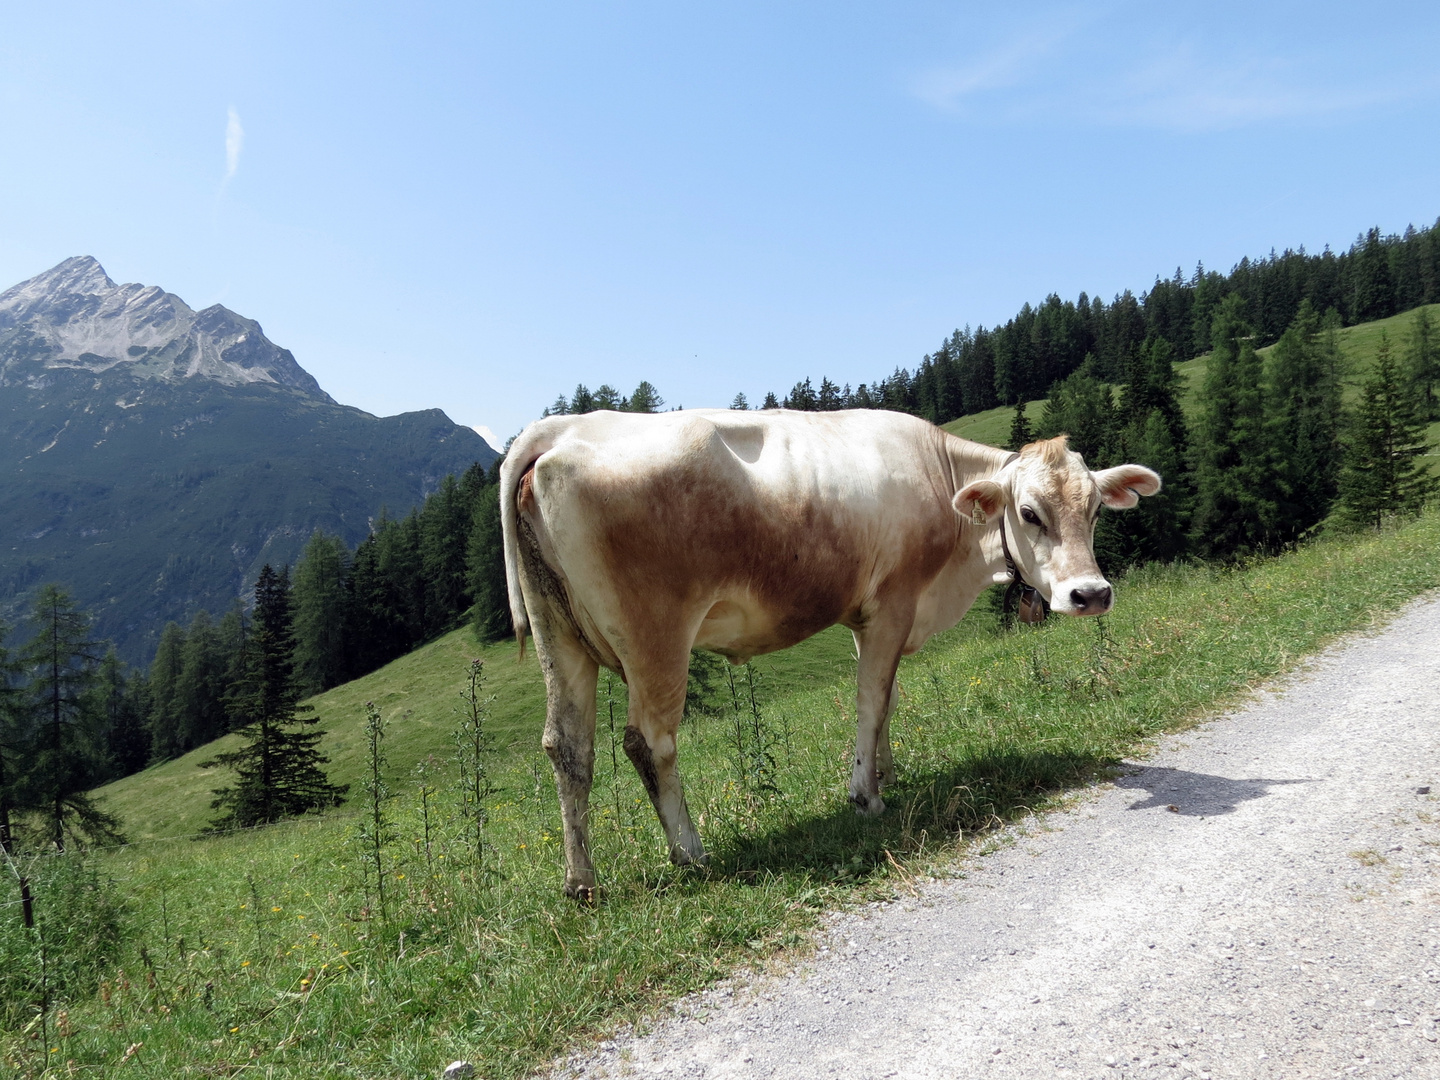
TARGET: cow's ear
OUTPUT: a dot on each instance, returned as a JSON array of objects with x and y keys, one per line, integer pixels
[
  {"x": 1122, "y": 486},
  {"x": 984, "y": 496}
]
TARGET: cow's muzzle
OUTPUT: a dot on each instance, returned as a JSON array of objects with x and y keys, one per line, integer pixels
[{"x": 1091, "y": 600}]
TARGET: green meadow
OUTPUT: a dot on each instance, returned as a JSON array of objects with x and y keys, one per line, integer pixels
[{"x": 272, "y": 951}]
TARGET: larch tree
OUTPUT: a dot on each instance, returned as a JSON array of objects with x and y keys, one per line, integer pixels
[
  {"x": 65, "y": 753},
  {"x": 278, "y": 770}
]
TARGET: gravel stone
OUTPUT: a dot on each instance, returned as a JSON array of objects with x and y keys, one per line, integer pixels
[{"x": 1258, "y": 898}]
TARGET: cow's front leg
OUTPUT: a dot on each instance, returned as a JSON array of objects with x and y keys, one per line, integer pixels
[
  {"x": 650, "y": 745},
  {"x": 879, "y": 645},
  {"x": 884, "y": 755},
  {"x": 569, "y": 740}
]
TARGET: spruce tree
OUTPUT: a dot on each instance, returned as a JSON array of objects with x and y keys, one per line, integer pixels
[
  {"x": 1302, "y": 420},
  {"x": 322, "y": 610},
  {"x": 1150, "y": 430},
  {"x": 65, "y": 752},
  {"x": 1231, "y": 453},
  {"x": 1080, "y": 406},
  {"x": 163, "y": 719},
  {"x": 1424, "y": 363},
  {"x": 11, "y": 740},
  {"x": 645, "y": 399},
  {"x": 1020, "y": 430},
  {"x": 198, "y": 698},
  {"x": 490, "y": 614},
  {"x": 444, "y": 531},
  {"x": 1384, "y": 471},
  {"x": 278, "y": 770},
  {"x": 121, "y": 699}
]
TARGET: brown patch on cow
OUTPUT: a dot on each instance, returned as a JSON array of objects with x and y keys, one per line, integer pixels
[{"x": 638, "y": 751}]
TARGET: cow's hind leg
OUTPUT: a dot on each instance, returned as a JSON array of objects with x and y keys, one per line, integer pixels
[
  {"x": 569, "y": 740},
  {"x": 657, "y": 702}
]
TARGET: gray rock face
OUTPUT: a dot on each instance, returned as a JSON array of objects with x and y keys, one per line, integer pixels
[{"x": 74, "y": 317}]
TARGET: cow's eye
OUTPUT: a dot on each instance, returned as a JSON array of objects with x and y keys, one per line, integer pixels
[{"x": 1030, "y": 517}]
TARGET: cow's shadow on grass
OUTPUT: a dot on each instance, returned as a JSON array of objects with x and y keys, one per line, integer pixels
[
  {"x": 1193, "y": 794},
  {"x": 922, "y": 811}
]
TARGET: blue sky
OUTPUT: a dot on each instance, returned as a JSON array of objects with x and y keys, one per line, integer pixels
[{"x": 476, "y": 206}]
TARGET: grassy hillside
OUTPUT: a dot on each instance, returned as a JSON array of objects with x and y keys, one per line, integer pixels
[
  {"x": 272, "y": 951},
  {"x": 419, "y": 694}
]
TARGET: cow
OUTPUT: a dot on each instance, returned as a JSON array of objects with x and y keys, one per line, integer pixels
[{"x": 631, "y": 539}]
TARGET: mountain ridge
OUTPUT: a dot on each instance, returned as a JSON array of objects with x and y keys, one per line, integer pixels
[
  {"x": 153, "y": 458},
  {"x": 74, "y": 316}
]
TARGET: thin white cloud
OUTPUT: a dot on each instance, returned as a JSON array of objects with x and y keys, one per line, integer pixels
[
  {"x": 234, "y": 140},
  {"x": 1072, "y": 70},
  {"x": 1182, "y": 92},
  {"x": 1010, "y": 65},
  {"x": 488, "y": 435}
]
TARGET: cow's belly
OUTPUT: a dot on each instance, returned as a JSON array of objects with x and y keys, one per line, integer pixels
[{"x": 738, "y": 630}]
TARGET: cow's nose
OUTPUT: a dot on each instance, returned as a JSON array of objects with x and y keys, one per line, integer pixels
[{"x": 1097, "y": 599}]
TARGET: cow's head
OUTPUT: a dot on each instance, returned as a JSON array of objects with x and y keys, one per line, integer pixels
[{"x": 1050, "y": 501}]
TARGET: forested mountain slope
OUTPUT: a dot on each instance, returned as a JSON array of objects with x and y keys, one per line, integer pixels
[{"x": 153, "y": 458}]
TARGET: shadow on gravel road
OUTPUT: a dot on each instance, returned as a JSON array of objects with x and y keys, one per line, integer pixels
[{"x": 1193, "y": 794}]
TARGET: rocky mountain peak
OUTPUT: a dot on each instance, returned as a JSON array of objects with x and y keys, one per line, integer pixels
[{"x": 74, "y": 316}]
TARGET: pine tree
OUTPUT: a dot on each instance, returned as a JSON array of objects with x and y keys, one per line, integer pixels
[
  {"x": 490, "y": 614},
  {"x": 164, "y": 720},
  {"x": 322, "y": 610},
  {"x": 11, "y": 741},
  {"x": 582, "y": 401},
  {"x": 1020, "y": 430},
  {"x": 645, "y": 399},
  {"x": 740, "y": 403},
  {"x": 1384, "y": 471},
  {"x": 277, "y": 771},
  {"x": 1150, "y": 430},
  {"x": 1423, "y": 362},
  {"x": 1080, "y": 406},
  {"x": 1232, "y": 463},
  {"x": 444, "y": 532},
  {"x": 1302, "y": 420},
  {"x": 770, "y": 401},
  {"x": 65, "y": 755},
  {"x": 121, "y": 699},
  {"x": 198, "y": 698}
]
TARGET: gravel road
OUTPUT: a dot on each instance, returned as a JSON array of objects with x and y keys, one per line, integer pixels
[{"x": 1259, "y": 898}]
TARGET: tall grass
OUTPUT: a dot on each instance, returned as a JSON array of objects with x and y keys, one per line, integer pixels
[{"x": 260, "y": 950}]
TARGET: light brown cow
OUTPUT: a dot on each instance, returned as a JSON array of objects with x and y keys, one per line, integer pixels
[{"x": 630, "y": 539}]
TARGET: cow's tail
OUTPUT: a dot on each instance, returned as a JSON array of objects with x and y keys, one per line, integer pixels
[{"x": 520, "y": 459}]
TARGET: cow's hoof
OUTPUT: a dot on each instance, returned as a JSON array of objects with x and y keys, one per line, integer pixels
[
  {"x": 583, "y": 894},
  {"x": 868, "y": 805},
  {"x": 681, "y": 857}
]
